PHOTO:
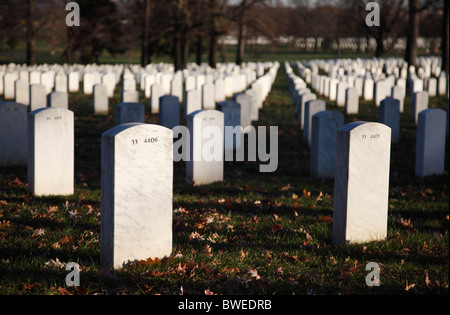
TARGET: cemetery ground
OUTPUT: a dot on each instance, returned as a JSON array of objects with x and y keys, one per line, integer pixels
[{"x": 253, "y": 233}]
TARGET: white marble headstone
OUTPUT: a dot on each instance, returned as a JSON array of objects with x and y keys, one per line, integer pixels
[
  {"x": 100, "y": 101},
  {"x": 190, "y": 83},
  {"x": 361, "y": 187},
  {"x": 166, "y": 80},
  {"x": 219, "y": 90},
  {"x": 137, "y": 194},
  {"x": 61, "y": 82},
  {"x": 351, "y": 101},
  {"x": 381, "y": 91},
  {"x": 73, "y": 81},
  {"x": 389, "y": 114},
  {"x": 13, "y": 134},
  {"x": 432, "y": 87},
  {"x": 9, "y": 91},
  {"x": 130, "y": 113},
  {"x": 48, "y": 79},
  {"x": 340, "y": 95},
  {"x": 200, "y": 81},
  {"x": 442, "y": 84},
  {"x": 192, "y": 101},
  {"x": 205, "y": 164},
  {"x": 332, "y": 92},
  {"x": 38, "y": 98},
  {"x": 58, "y": 99},
  {"x": 323, "y": 143},
  {"x": 311, "y": 108},
  {"x": 228, "y": 86},
  {"x": 254, "y": 101},
  {"x": 430, "y": 147},
  {"x": 51, "y": 152},
  {"x": 22, "y": 93},
  {"x": 176, "y": 88},
  {"x": 419, "y": 103},
  {"x": 35, "y": 77},
  {"x": 208, "y": 96},
  {"x": 149, "y": 80},
  {"x": 157, "y": 92},
  {"x": 246, "y": 109},
  {"x": 368, "y": 89},
  {"x": 398, "y": 93},
  {"x": 232, "y": 120},
  {"x": 169, "y": 111},
  {"x": 88, "y": 83},
  {"x": 129, "y": 84},
  {"x": 301, "y": 107},
  {"x": 129, "y": 96}
]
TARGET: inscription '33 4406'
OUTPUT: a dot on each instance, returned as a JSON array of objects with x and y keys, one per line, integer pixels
[{"x": 146, "y": 140}]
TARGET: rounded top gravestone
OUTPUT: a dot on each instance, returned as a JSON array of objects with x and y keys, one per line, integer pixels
[
  {"x": 361, "y": 182},
  {"x": 137, "y": 189}
]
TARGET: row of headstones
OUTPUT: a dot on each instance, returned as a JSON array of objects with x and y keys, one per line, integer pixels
[
  {"x": 361, "y": 193},
  {"x": 241, "y": 111},
  {"x": 347, "y": 91},
  {"x": 100, "y": 86},
  {"x": 357, "y": 156},
  {"x": 67, "y": 79},
  {"x": 139, "y": 155},
  {"x": 44, "y": 140},
  {"x": 320, "y": 126},
  {"x": 51, "y": 80},
  {"x": 429, "y": 66},
  {"x": 145, "y": 217},
  {"x": 376, "y": 69},
  {"x": 167, "y": 105},
  {"x": 49, "y": 135},
  {"x": 134, "y": 156},
  {"x": 194, "y": 77},
  {"x": 128, "y": 111}
]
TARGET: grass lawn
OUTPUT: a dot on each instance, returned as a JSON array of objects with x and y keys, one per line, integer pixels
[{"x": 253, "y": 233}]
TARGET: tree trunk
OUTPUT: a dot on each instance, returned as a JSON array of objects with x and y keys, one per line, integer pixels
[
  {"x": 445, "y": 48},
  {"x": 413, "y": 32},
  {"x": 184, "y": 50},
  {"x": 212, "y": 56},
  {"x": 241, "y": 45},
  {"x": 69, "y": 47},
  {"x": 199, "y": 52},
  {"x": 145, "y": 57},
  {"x": 242, "y": 34},
  {"x": 223, "y": 53},
  {"x": 380, "y": 48},
  {"x": 177, "y": 53},
  {"x": 31, "y": 59}
]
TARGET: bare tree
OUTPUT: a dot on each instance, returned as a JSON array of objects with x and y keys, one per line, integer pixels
[
  {"x": 415, "y": 8},
  {"x": 218, "y": 26},
  {"x": 17, "y": 23},
  {"x": 392, "y": 23},
  {"x": 145, "y": 54},
  {"x": 241, "y": 19}
]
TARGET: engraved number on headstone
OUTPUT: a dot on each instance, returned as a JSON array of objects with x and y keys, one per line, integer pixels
[
  {"x": 146, "y": 140},
  {"x": 55, "y": 118},
  {"x": 151, "y": 140},
  {"x": 375, "y": 136}
]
